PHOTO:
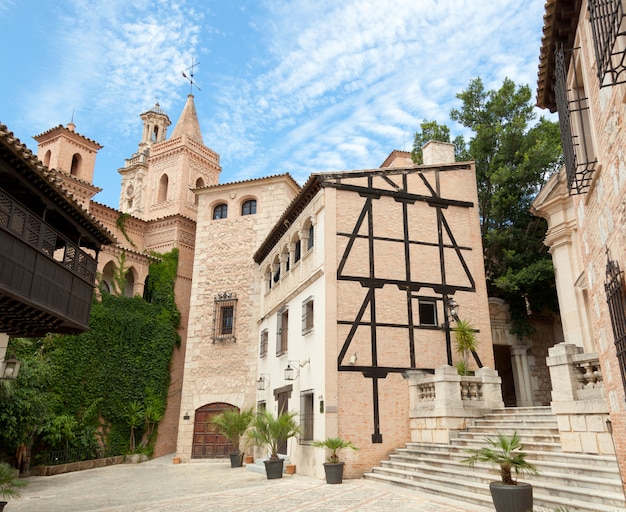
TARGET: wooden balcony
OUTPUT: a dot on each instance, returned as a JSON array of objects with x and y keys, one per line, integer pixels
[{"x": 46, "y": 281}]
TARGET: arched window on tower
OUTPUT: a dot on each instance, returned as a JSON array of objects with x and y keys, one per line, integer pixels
[
  {"x": 220, "y": 211},
  {"x": 248, "y": 207},
  {"x": 163, "y": 183},
  {"x": 199, "y": 184},
  {"x": 76, "y": 164},
  {"x": 46, "y": 159},
  {"x": 155, "y": 133}
]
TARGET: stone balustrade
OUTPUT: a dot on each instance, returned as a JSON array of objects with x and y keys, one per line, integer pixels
[
  {"x": 443, "y": 402},
  {"x": 578, "y": 400}
]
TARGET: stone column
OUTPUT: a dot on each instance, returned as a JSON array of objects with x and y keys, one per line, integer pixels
[{"x": 521, "y": 376}]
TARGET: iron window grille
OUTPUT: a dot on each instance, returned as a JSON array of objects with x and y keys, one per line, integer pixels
[
  {"x": 282, "y": 332},
  {"x": 307, "y": 315},
  {"x": 573, "y": 108},
  {"x": 608, "y": 26},
  {"x": 225, "y": 307},
  {"x": 307, "y": 415},
  {"x": 263, "y": 344},
  {"x": 616, "y": 300}
]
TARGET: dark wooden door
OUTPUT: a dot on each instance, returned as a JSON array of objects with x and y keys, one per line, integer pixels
[{"x": 207, "y": 442}]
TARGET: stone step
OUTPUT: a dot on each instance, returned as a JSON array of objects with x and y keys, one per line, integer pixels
[
  {"x": 601, "y": 473},
  {"x": 513, "y": 423},
  {"x": 472, "y": 492},
  {"x": 526, "y": 435},
  {"x": 557, "y": 457}
]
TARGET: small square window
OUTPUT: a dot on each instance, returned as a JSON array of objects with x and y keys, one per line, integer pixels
[
  {"x": 428, "y": 312},
  {"x": 224, "y": 317}
]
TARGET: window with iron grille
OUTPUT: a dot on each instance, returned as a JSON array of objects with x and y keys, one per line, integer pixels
[
  {"x": 282, "y": 332},
  {"x": 263, "y": 343},
  {"x": 608, "y": 26},
  {"x": 306, "y": 415},
  {"x": 225, "y": 307},
  {"x": 307, "y": 315},
  {"x": 574, "y": 122},
  {"x": 616, "y": 300}
]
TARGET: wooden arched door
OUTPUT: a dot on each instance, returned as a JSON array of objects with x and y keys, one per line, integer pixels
[{"x": 207, "y": 442}]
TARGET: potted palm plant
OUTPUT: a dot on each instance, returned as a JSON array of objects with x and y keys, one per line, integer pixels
[
  {"x": 505, "y": 452},
  {"x": 9, "y": 485},
  {"x": 271, "y": 432},
  {"x": 233, "y": 423},
  {"x": 334, "y": 467}
]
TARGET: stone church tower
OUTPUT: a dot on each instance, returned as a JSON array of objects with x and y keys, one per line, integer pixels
[
  {"x": 158, "y": 179},
  {"x": 156, "y": 193}
]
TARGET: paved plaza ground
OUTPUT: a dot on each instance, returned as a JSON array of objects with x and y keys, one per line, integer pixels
[{"x": 159, "y": 485}]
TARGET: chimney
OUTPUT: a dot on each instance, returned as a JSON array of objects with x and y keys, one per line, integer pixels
[{"x": 435, "y": 153}]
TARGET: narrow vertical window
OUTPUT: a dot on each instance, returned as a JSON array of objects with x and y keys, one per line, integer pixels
[
  {"x": 282, "y": 332},
  {"x": 307, "y": 315},
  {"x": 297, "y": 252},
  {"x": 163, "y": 184},
  {"x": 311, "y": 240},
  {"x": 306, "y": 415},
  {"x": 263, "y": 343}
]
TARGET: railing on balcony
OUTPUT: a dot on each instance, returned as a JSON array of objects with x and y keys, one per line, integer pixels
[
  {"x": 35, "y": 232},
  {"x": 46, "y": 280},
  {"x": 608, "y": 26}
]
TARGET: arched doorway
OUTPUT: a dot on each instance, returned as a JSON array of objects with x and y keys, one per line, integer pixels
[{"x": 207, "y": 442}]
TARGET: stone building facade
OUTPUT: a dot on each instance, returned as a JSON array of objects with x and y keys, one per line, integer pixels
[
  {"x": 581, "y": 76},
  {"x": 157, "y": 212}
]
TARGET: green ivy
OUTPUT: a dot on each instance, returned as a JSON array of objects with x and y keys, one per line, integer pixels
[
  {"x": 73, "y": 388},
  {"x": 121, "y": 224}
]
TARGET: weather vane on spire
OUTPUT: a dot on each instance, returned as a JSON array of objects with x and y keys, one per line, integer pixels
[{"x": 190, "y": 77}]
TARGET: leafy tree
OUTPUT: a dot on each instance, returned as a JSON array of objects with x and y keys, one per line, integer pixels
[
  {"x": 431, "y": 130},
  {"x": 514, "y": 155}
]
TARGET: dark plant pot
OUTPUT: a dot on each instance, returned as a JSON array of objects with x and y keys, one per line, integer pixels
[
  {"x": 274, "y": 468},
  {"x": 236, "y": 460},
  {"x": 334, "y": 472},
  {"x": 512, "y": 498},
  {"x": 2, "y": 505}
]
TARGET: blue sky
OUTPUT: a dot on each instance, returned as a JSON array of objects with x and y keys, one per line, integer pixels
[{"x": 293, "y": 86}]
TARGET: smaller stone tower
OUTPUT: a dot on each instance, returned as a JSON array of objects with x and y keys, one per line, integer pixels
[
  {"x": 135, "y": 170},
  {"x": 64, "y": 149}
]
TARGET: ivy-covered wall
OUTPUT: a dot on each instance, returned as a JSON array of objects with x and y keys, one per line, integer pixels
[{"x": 76, "y": 391}]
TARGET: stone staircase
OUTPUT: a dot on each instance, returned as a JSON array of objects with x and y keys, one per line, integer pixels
[{"x": 569, "y": 481}]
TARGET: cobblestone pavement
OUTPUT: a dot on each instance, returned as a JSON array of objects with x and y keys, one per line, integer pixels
[{"x": 161, "y": 486}]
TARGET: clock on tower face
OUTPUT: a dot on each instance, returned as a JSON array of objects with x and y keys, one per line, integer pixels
[{"x": 129, "y": 190}]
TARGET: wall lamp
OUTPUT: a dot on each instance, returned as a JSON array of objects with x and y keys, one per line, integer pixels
[
  {"x": 263, "y": 382},
  {"x": 453, "y": 308},
  {"x": 9, "y": 368},
  {"x": 293, "y": 372}
]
